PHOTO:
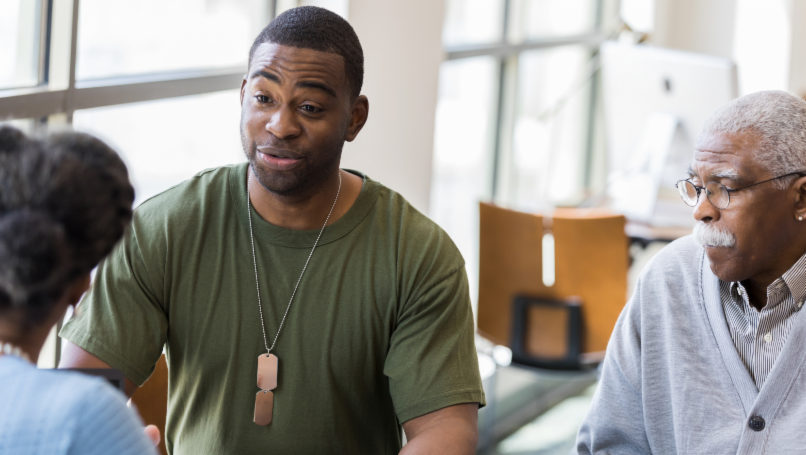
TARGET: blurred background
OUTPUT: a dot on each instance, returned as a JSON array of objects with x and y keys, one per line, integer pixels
[{"x": 545, "y": 136}]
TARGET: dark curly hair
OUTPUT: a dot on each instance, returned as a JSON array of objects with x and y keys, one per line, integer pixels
[
  {"x": 64, "y": 203},
  {"x": 311, "y": 27}
]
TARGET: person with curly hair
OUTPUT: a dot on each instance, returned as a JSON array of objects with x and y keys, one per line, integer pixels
[{"x": 64, "y": 203}]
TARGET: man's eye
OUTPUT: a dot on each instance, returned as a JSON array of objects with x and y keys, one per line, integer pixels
[
  {"x": 310, "y": 109},
  {"x": 262, "y": 99}
]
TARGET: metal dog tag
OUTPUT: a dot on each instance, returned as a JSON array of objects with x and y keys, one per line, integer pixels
[
  {"x": 264, "y": 406},
  {"x": 267, "y": 371}
]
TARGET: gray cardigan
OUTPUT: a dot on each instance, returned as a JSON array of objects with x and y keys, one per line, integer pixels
[{"x": 672, "y": 380}]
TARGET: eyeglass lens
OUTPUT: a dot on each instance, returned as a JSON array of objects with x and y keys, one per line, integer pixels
[{"x": 716, "y": 192}]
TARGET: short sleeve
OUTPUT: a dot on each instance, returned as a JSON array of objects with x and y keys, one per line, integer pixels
[
  {"x": 106, "y": 426},
  {"x": 432, "y": 361},
  {"x": 120, "y": 320}
]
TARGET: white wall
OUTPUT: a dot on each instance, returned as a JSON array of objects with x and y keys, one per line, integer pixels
[
  {"x": 402, "y": 43},
  {"x": 703, "y": 26},
  {"x": 797, "y": 66},
  {"x": 766, "y": 38}
]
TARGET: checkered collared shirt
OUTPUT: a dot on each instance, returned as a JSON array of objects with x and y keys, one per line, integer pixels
[{"x": 760, "y": 336}]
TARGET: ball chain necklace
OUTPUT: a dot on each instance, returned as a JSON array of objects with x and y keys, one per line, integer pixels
[{"x": 267, "y": 364}]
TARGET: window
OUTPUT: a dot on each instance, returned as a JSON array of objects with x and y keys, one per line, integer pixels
[
  {"x": 514, "y": 116},
  {"x": 550, "y": 128},
  {"x": 463, "y": 140},
  {"x": 473, "y": 22},
  {"x": 535, "y": 19},
  {"x": 160, "y": 36},
  {"x": 178, "y": 144},
  {"x": 145, "y": 70},
  {"x": 20, "y": 30}
]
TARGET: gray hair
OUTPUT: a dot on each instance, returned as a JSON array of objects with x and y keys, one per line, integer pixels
[{"x": 778, "y": 119}]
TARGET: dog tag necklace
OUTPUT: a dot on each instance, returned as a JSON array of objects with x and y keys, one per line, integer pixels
[{"x": 267, "y": 364}]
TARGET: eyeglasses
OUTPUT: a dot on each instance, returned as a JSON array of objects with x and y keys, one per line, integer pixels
[{"x": 717, "y": 193}]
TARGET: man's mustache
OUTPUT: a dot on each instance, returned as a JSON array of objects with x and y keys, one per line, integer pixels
[{"x": 707, "y": 234}]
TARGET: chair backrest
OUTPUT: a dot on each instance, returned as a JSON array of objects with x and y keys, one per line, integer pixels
[
  {"x": 152, "y": 400},
  {"x": 591, "y": 262}
]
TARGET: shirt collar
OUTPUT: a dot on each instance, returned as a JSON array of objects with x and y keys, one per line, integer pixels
[
  {"x": 794, "y": 279},
  {"x": 739, "y": 295}
]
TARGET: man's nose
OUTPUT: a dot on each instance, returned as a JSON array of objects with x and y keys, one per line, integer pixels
[
  {"x": 283, "y": 123},
  {"x": 704, "y": 210}
]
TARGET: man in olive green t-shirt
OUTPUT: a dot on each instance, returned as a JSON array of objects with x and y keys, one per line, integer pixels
[{"x": 361, "y": 300}]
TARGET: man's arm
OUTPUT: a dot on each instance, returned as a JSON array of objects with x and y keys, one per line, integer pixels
[
  {"x": 615, "y": 419},
  {"x": 451, "y": 430},
  {"x": 75, "y": 357}
]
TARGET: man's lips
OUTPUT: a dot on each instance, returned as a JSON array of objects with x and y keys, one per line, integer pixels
[
  {"x": 717, "y": 248},
  {"x": 278, "y": 159}
]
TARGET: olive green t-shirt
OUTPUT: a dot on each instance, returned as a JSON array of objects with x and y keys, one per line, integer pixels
[{"x": 380, "y": 331}]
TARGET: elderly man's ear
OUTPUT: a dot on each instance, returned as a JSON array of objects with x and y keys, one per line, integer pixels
[{"x": 800, "y": 198}]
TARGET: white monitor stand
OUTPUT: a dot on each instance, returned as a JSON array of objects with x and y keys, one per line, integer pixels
[{"x": 634, "y": 192}]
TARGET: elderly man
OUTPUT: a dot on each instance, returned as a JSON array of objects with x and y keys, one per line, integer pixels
[
  {"x": 304, "y": 309},
  {"x": 708, "y": 356}
]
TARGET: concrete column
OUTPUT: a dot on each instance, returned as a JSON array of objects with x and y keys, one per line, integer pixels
[
  {"x": 797, "y": 53},
  {"x": 402, "y": 43},
  {"x": 702, "y": 26},
  {"x": 762, "y": 44}
]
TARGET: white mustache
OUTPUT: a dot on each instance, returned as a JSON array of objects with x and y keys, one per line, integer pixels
[{"x": 708, "y": 235}]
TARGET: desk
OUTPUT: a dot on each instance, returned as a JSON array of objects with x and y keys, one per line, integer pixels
[{"x": 645, "y": 234}]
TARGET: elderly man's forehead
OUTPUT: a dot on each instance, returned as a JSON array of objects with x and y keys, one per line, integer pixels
[
  {"x": 725, "y": 155},
  {"x": 698, "y": 169},
  {"x": 728, "y": 142}
]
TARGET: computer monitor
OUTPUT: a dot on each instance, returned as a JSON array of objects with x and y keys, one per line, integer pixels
[{"x": 655, "y": 103}]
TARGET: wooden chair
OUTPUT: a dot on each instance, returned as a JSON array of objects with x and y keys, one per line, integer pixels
[
  {"x": 565, "y": 325},
  {"x": 152, "y": 400}
]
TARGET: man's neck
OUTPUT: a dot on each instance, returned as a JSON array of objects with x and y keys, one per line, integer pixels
[
  {"x": 757, "y": 286},
  {"x": 30, "y": 342},
  {"x": 309, "y": 211},
  {"x": 756, "y": 293}
]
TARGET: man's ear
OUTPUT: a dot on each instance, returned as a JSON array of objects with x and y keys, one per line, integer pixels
[
  {"x": 358, "y": 117},
  {"x": 243, "y": 88},
  {"x": 800, "y": 198}
]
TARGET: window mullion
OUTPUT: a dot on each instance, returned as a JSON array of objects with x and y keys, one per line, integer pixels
[{"x": 506, "y": 124}]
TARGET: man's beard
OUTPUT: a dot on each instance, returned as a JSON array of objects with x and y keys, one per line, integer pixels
[
  {"x": 296, "y": 182},
  {"x": 707, "y": 234}
]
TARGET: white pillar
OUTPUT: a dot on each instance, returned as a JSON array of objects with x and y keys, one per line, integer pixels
[
  {"x": 402, "y": 43},
  {"x": 762, "y": 44},
  {"x": 702, "y": 26},
  {"x": 797, "y": 52}
]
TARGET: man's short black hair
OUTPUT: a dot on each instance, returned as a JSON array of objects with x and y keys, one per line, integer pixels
[{"x": 311, "y": 27}]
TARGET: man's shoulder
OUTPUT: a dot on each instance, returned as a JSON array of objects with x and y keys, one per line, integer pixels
[
  {"x": 672, "y": 276},
  {"x": 681, "y": 257},
  {"x": 416, "y": 231},
  {"x": 189, "y": 200},
  {"x": 398, "y": 207},
  {"x": 209, "y": 182}
]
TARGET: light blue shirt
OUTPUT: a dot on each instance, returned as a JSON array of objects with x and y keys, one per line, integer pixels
[{"x": 61, "y": 412}]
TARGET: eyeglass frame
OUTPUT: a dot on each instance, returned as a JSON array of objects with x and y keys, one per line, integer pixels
[{"x": 699, "y": 189}]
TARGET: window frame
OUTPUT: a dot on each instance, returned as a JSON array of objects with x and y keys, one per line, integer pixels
[
  {"x": 507, "y": 55},
  {"x": 59, "y": 95},
  {"x": 52, "y": 103}
]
